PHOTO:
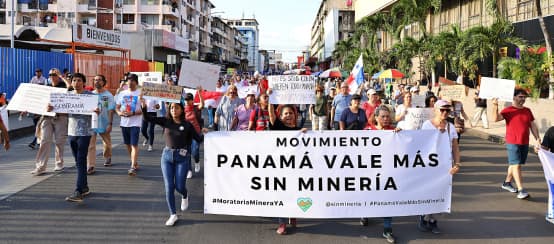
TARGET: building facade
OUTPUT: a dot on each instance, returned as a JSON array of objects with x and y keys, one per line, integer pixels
[
  {"x": 229, "y": 46},
  {"x": 251, "y": 34}
]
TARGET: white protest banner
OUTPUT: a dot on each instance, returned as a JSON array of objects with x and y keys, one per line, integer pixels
[
  {"x": 497, "y": 88},
  {"x": 454, "y": 92},
  {"x": 195, "y": 73},
  {"x": 152, "y": 77},
  {"x": 292, "y": 89},
  {"x": 4, "y": 115},
  {"x": 418, "y": 101},
  {"x": 33, "y": 98},
  {"x": 72, "y": 103},
  {"x": 162, "y": 92},
  {"x": 331, "y": 174},
  {"x": 547, "y": 161},
  {"x": 415, "y": 117}
]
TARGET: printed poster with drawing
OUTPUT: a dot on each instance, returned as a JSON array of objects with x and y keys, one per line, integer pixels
[{"x": 129, "y": 103}]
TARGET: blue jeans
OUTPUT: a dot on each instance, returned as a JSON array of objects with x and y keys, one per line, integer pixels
[
  {"x": 211, "y": 112},
  {"x": 174, "y": 170},
  {"x": 147, "y": 129},
  {"x": 387, "y": 223},
  {"x": 195, "y": 148},
  {"x": 79, "y": 149}
]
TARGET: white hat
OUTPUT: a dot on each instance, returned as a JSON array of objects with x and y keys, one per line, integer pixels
[
  {"x": 414, "y": 89},
  {"x": 251, "y": 92},
  {"x": 371, "y": 91}
]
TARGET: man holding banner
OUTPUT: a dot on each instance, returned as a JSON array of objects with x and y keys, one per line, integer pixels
[{"x": 519, "y": 120}]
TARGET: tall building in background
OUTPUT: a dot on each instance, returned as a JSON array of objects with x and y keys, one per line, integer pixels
[{"x": 250, "y": 32}]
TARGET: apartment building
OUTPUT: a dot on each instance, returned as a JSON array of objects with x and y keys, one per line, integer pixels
[
  {"x": 249, "y": 30},
  {"x": 177, "y": 27},
  {"x": 230, "y": 47},
  {"x": 334, "y": 22}
]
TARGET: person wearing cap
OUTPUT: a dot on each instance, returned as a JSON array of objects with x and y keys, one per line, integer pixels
[
  {"x": 353, "y": 118},
  {"x": 319, "y": 110},
  {"x": 193, "y": 114},
  {"x": 38, "y": 79},
  {"x": 51, "y": 129},
  {"x": 519, "y": 120},
  {"x": 372, "y": 103},
  {"x": 440, "y": 122},
  {"x": 128, "y": 108},
  {"x": 414, "y": 90},
  {"x": 341, "y": 102}
]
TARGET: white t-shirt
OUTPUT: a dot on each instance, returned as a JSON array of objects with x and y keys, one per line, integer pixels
[
  {"x": 129, "y": 102},
  {"x": 401, "y": 109},
  {"x": 428, "y": 125},
  {"x": 151, "y": 105}
]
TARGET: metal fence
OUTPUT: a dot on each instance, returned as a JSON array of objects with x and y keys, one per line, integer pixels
[{"x": 18, "y": 66}]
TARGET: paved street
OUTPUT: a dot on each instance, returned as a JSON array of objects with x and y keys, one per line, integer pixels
[{"x": 123, "y": 209}]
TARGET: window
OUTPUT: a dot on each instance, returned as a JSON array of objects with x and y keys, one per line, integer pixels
[
  {"x": 128, "y": 19},
  {"x": 150, "y": 2},
  {"x": 525, "y": 10},
  {"x": 474, "y": 8},
  {"x": 149, "y": 19}
]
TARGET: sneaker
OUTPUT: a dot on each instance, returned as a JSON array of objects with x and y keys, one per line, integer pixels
[
  {"x": 150, "y": 148},
  {"x": 508, "y": 187},
  {"x": 32, "y": 146},
  {"x": 282, "y": 229},
  {"x": 91, "y": 170},
  {"x": 145, "y": 143},
  {"x": 184, "y": 203},
  {"x": 551, "y": 220},
  {"x": 189, "y": 174},
  {"x": 38, "y": 172},
  {"x": 434, "y": 227},
  {"x": 364, "y": 221},
  {"x": 422, "y": 224},
  {"x": 108, "y": 162},
  {"x": 75, "y": 197},
  {"x": 210, "y": 126},
  {"x": 390, "y": 238},
  {"x": 58, "y": 169},
  {"x": 292, "y": 222},
  {"x": 172, "y": 219},
  {"x": 523, "y": 194},
  {"x": 132, "y": 172},
  {"x": 85, "y": 192},
  {"x": 196, "y": 167}
]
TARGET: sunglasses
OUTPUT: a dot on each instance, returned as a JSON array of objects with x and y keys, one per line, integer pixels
[
  {"x": 444, "y": 110},
  {"x": 52, "y": 75}
]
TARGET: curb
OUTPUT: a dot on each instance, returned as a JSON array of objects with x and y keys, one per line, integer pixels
[{"x": 486, "y": 136}]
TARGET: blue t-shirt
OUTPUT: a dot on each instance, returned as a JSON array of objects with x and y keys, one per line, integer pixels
[
  {"x": 340, "y": 103},
  {"x": 348, "y": 118},
  {"x": 106, "y": 103}
]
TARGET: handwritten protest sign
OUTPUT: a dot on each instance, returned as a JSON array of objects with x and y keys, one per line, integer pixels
[
  {"x": 497, "y": 88},
  {"x": 331, "y": 174},
  {"x": 454, "y": 92},
  {"x": 195, "y": 73},
  {"x": 72, "y": 103},
  {"x": 152, "y": 77},
  {"x": 33, "y": 98},
  {"x": 415, "y": 117},
  {"x": 162, "y": 92},
  {"x": 418, "y": 101},
  {"x": 292, "y": 89}
]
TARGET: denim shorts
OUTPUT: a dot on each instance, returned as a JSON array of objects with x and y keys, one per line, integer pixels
[
  {"x": 517, "y": 154},
  {"x": 130, "y": 135}
]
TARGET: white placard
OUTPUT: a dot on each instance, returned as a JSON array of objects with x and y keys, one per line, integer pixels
[
  {"x": 194, "y": 74},
  {"x": 331, "y": 174},
  {"x": 72, "y": 103},
  {"x": 292, "y": 89},
  {"x": 33, "y": 98},
  {"x": 418, "y": 101},
  {"x": 415, "y": 117},
  {"x": 547, "y": 161},
  {"x": 152, "y": 77},
  {"x": 497, "y": 88},
  {"x": 4, "y": 115}
]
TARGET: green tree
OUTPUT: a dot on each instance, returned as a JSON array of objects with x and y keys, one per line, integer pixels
[
  {"x": 407, "y": 12},
  {"x": 528, "y": 71},
  {"x": 546, "y": 35},
  {"x": 343, "y": 49}
]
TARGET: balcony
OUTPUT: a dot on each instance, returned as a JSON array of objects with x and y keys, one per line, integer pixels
[
  {"x": 169, "y": 10},
  {"x": 150, "y": 9}
]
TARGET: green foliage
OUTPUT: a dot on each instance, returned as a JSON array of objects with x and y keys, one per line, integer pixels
[{"x": 529, "y": 72}]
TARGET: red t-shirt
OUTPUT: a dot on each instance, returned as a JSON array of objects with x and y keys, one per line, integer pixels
[
  {"x": 369, "y": 110},
  {"x": 374, "y": 127},
  {"x": 190, "y": 116},
  {"x": 518, "y": 123},
  {"x": 260, "y": 118}
]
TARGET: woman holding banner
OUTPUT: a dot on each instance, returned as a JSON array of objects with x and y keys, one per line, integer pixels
[
  {"x": 440, "y": 122},
  {"x": 287, "y": 121},
  {"x": 176, "y": 155},
  {"x": 383, "y": 122},
  {"x": 225, "y": 112}
]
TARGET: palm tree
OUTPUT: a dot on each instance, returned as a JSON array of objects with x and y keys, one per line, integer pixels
[
  {"x": 407, "y": 12},
  {"x": 546, "y": 35},
  {"x": 528, "y": 71},
  {"x": 343, "y": 49}
]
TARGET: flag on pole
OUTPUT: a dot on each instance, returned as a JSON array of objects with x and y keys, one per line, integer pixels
[
  {"x": 547, "y": 160},
  {"x": 356, "y": 77}
]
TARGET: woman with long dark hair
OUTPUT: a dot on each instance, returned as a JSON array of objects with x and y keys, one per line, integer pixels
[{"x": 176, "y": 155}]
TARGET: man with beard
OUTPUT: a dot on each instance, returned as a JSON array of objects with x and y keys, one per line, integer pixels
[{"x": 106, "y": 104}]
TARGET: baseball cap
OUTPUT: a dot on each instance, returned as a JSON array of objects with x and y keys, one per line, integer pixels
[
  {"x": 251, "y": 92},
  {"x": 371, "y": 92},
  {"x": 38, "y": 70},
  {"x": 356, "y": 97},
  {"x": 442, "y": 104},
  {"x": 414, "y": 89},
  {"x": 189, "y": 96}
]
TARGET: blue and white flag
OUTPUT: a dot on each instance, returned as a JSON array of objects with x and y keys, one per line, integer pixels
[
  {"x": 547, "y": 160},
  {"x": 356, "y": 77}
]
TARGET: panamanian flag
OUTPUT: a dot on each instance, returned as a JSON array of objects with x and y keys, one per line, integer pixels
[{"x": 356, "y": 77}]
